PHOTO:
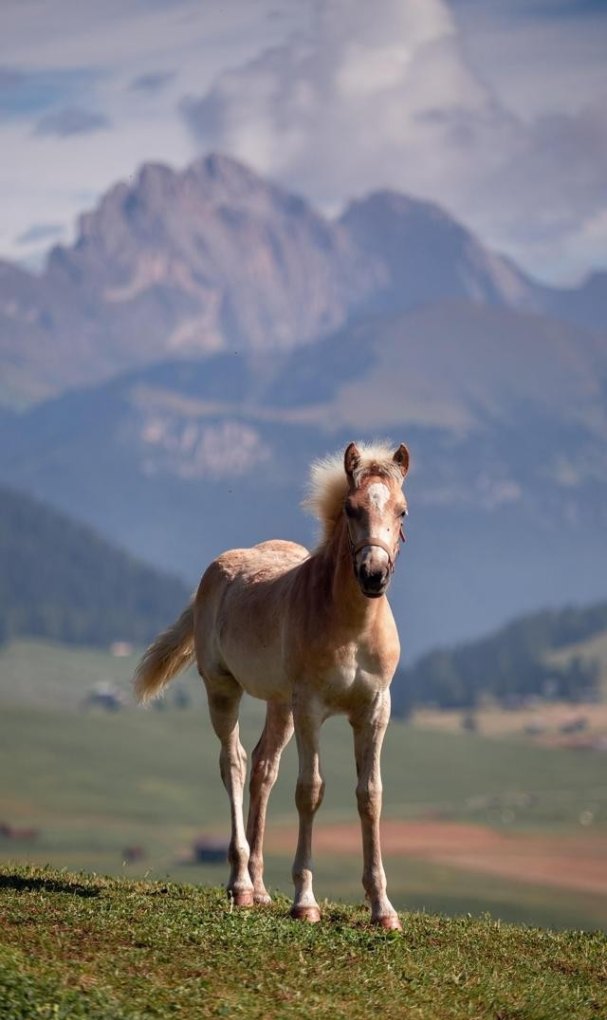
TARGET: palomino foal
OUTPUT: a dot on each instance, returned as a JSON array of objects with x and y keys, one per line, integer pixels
[{"x": 313, "y": 635}]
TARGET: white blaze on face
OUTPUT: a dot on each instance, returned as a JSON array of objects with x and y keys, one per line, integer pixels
[{"x": 379, "y": 494}]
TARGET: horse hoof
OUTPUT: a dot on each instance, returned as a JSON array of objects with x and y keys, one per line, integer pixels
[
  {"x": 242, "y": 898},
  {"x": 309, "y": 914},
  {"x": 262, "y": 899},
  {"x": 389, "y": 922}
]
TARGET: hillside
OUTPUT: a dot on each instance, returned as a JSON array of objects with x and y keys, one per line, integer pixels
[
  {"x": 554, "y": 653},
  {"x": 60, "y": 580},
  {"x": 91, "y": 948}
]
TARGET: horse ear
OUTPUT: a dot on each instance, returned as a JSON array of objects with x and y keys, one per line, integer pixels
[
  {"x": 401, "y": 457},
  {"x": 351, "y": 459}
]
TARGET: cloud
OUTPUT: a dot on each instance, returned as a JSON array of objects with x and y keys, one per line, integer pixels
[
  {"x": 27, "y": 93},
  {"x": 476, "y": 104},
  {"x": 152, "y": 81},
  {"x": 337, "y": 111},
  {"x": 553, "y": 178},
  {"x": 40, "y": 232},
  {"x": 383, "y": 95},
  {"x": 71, "y": 120}
]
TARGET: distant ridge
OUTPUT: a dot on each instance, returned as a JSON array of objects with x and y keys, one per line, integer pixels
[{"x": 61, "y": 581}]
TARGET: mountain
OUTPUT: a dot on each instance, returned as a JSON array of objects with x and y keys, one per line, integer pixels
[
  {"x": 177, "y": 264},
  {"x": 428, "y": 256},
  {"x": 425, "y": 256},
  {"x": 183, "y": 264},
  {"x": 62, "y": 581}
]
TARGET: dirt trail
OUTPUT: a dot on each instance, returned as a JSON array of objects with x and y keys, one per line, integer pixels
[{"x": 577, "y": 862}]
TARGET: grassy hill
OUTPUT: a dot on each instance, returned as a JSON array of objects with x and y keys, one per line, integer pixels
[
  {"x": 87, "y": 948},
  {"x": 61, "y": 580}
]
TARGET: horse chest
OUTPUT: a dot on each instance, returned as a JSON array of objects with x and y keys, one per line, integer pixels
[{"x": 355, "y": 675}]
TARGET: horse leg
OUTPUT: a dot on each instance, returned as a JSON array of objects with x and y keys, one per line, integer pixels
[
  {"x": 265, "y": 760},
  {"x": 223, "y": 707},
  {"x": 308, "y": 798},
  {"x": 369, "y": 730}
]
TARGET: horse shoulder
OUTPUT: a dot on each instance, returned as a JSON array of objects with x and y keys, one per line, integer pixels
[{"x": 380, "y": 648}]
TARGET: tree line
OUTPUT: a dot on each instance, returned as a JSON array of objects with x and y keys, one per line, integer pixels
[
  {"x": 509, "y": 665},
  {"x": 61, "y": 581}
]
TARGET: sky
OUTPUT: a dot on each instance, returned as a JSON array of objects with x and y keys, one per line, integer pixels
[{"x": 495, "y": 110}]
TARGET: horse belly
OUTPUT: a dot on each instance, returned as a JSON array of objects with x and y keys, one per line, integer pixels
[
  {"x": 251, "y": 649},
  {"x": 259, "y": 674}
]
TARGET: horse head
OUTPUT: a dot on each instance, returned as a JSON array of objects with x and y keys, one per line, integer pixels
[{"x": 375, "y": 508}]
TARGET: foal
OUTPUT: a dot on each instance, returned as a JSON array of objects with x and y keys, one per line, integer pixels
[{"x": 313, "y": 635}]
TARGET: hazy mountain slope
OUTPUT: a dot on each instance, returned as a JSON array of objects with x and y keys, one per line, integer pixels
[
  {"x": 61, "y": 580},
  {"x": 179, "y": 461},
  {"x": 451, "y": 364}
]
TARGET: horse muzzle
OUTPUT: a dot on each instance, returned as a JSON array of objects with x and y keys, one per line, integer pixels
[{"x": 373, "y": 582}]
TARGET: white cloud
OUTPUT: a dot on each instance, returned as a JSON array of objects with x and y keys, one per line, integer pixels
[
  {"x": 350, "y": 107},
  {"x": 382, "y": 94},
  {"x": 473, "y": 103}
]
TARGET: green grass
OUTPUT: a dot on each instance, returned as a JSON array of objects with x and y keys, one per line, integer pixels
[{"x": 76, "y": 947}]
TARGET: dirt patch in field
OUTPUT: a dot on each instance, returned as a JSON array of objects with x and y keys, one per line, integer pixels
[{"x": 568, "y": 862}]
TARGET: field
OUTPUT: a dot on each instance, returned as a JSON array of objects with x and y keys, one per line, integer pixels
[
  {"x": 546, "y": 722},
  {"x": 472, "y": 823},
  {"x": 84, "y": 948}
]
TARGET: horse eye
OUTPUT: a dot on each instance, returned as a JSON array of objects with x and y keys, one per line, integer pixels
[
  {"x": 349, "y": 510},
  {"x": 404, "y": 513}
]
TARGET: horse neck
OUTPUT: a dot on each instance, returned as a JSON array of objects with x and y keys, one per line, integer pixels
[{"x": 347, "y": 602}]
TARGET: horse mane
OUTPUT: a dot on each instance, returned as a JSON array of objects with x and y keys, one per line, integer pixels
[{"x": 328, "y": 482}]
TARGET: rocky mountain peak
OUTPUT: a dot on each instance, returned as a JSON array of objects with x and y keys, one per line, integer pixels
[
  {"x": 429, "y": 256},
  {"x": 181, "y": 263}
]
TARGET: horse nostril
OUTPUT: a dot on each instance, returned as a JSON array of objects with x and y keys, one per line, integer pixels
[{"x": 372, "y": 579}]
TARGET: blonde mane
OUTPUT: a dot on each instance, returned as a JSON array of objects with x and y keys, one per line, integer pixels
[{"x": 328, "y": 483}]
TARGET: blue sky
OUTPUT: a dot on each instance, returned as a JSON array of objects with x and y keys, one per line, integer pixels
[{"x": 496, "y": 110}]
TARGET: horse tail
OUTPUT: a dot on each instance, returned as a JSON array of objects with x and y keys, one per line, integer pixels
[{"x": 169, "y": 654}]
